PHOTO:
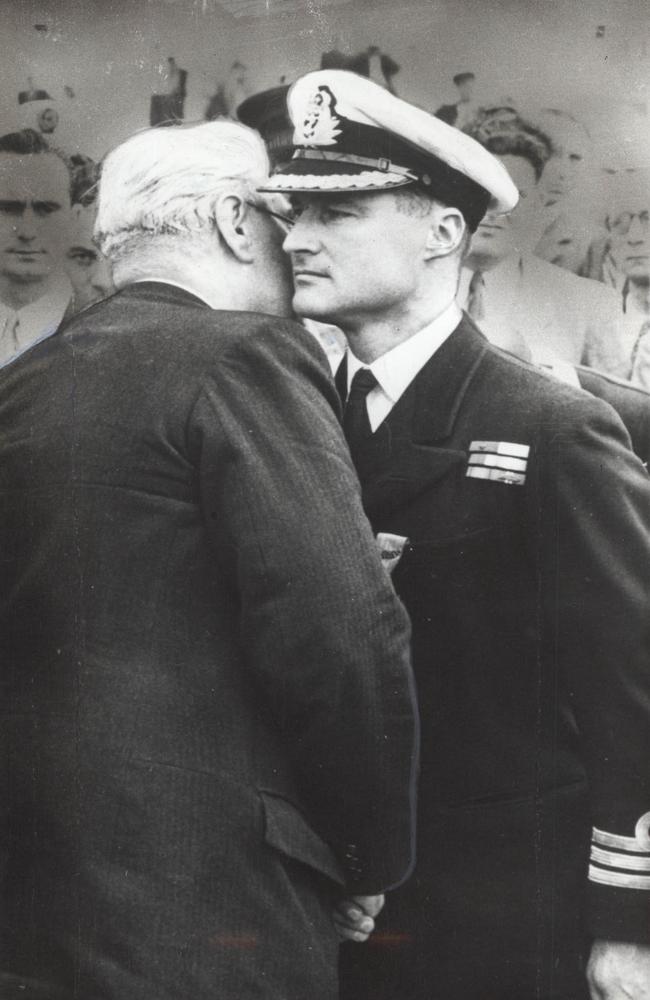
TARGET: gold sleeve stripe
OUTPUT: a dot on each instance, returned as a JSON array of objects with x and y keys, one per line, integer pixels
[
  {"x": 619, "y": 880},
  {"x": 620, "y": 843},
  {"x": 620, "y": 860}
]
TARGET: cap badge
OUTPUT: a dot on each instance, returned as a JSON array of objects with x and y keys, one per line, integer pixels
[{"x": 320, "y": 126}]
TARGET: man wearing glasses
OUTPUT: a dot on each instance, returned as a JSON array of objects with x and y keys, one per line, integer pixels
[
  {"x": 208, "y": 734},
  {"x": 628, "y": 225}
]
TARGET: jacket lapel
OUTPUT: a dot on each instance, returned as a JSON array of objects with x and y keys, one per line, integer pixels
[{"x": 421, "y": 421}]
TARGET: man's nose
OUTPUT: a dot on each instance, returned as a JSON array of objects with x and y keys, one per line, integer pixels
[
  {"x": 636, "y": 233},
  {"x": 300, "y": 238},
  {"x": 25, "y": 225},
  {"x": 561, "y": 167}
]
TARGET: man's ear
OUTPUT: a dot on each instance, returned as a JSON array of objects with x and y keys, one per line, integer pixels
[
  {"x": 232, "y": 218},
  {"x": 445, "y": 232}
]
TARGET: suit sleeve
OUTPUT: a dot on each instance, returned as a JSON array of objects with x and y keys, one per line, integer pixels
[
  {"x": 593, "y": 508},
  {"x": 326, "y": 639}
]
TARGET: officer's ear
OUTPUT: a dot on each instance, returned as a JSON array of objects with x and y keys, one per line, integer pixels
[
  {"x": 232, "y": 216},
  {"x": 446, "y": 232}
]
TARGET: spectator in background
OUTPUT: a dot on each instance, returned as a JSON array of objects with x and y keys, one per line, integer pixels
[
  {"x": 32, "y": 93},
  {"x": 628, "y": 223},
  {"x": 465, "y": 108},
  {"x": 372, "y": 63},
  {"x": 230, "y": 93},
  {"x": 512, "y": 295},
  {"x": 566, "y": 189},
  {"x": 168, "y": 108},
  {"x": 87, "y": 268},
  {"x": 35, "y": 293}
]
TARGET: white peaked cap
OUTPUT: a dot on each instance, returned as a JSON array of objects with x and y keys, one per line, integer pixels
[{"x": 351, "y": 134}]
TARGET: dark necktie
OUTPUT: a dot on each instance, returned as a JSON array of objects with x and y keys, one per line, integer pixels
[{"x": 355, "y": 415}]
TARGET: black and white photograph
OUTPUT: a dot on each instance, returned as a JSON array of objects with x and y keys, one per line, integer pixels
[{"x": 324, "y": 500}]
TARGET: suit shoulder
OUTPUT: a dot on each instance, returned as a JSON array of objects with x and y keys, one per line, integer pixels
[
  {"x": 251, "y": 340},
  {"x": 565, "y": 283},
  {"x": 593, "y": 378}
]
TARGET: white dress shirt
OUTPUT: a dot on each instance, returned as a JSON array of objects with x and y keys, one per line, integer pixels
[
  {"x": 396, "y": 369},
  {"x": 529, "y": 302},
  {"x": 23, "y": 328}
]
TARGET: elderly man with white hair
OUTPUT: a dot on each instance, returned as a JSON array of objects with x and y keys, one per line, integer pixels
[{"x": 209, "y": 732}]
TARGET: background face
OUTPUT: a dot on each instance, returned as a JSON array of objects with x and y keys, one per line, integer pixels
[
  {"x": 34, "y": 215},
  {"x": 569, "y": 168},
  {"x": 354, "y": 256},
  {"x": 88, "y": 270},
  {"x": 630, "y": 238},
  {"x": 499, "y": 236}
]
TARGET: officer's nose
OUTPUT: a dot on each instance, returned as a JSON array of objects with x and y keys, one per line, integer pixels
[{"x": 301, "y": 238}]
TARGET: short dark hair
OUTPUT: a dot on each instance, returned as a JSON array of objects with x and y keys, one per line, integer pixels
[
  {"x": 24, "y": 143},
  {"x": 29, "y": 142},
  {"x": 514, "y": 137},
  {"x": 463, "y": 78}
]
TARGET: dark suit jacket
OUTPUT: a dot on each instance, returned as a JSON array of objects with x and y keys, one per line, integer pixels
[
  {"x": 631, "y": 402},
  {"x": 529, "y": 608},
  {"x": 207, "y": 716}
]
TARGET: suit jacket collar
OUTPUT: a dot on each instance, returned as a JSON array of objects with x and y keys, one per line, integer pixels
[{"x": 162, "y": 291}]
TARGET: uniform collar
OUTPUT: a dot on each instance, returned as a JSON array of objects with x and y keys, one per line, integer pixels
[{"x": 396, "y": 369}]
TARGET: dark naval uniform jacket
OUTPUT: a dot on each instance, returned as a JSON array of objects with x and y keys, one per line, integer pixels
[
  {"x": 631, "y": 402},
  {"x": 522, "y": 518},
  {"x": 207, "y": 729}
]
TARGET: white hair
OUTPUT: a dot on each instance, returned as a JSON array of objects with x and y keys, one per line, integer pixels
[{"x": 167, "y": 181}]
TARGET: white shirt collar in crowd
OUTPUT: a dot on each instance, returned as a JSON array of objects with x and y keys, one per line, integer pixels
[{"x": 21, "y": 329}]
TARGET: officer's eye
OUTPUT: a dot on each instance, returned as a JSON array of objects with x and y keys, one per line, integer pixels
[
  {"x": 333, "y": 214},
  {"x": 15, "y": 208}
]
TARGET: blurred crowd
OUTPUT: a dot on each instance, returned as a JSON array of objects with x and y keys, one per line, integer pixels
[{"x": 562, "y": 281}]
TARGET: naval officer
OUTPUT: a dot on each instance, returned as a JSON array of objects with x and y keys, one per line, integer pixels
[{"x": 515, "y": 518}]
